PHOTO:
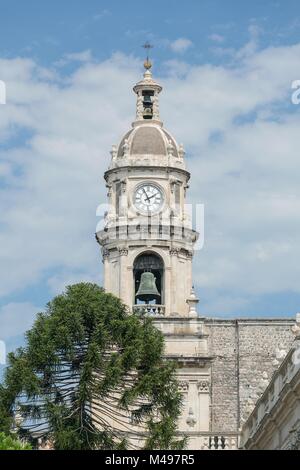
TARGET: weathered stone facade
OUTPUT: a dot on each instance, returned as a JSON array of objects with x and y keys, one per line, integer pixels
[
  {"x": 244, "y": 358},
  {"x": 235, "y": 359}
]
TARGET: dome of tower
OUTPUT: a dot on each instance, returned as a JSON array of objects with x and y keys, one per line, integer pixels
[{"x": 147, "y": 140}]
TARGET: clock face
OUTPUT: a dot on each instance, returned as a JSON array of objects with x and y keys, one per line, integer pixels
[{"x": 148, "y": 198}]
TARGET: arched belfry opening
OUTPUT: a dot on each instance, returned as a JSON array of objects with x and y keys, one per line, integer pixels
[{"x": 148, "y": 277}]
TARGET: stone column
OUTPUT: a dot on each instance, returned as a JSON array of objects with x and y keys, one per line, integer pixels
[
  {"x": 105, "y": 259},
  {"x": 123, "y": 273}
]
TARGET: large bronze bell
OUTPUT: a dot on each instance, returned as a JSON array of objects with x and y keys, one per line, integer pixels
[{"x": 147, "y": 289}]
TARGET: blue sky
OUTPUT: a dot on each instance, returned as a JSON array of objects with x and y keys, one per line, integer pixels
[
  {"x": 45, "y": 30},
  {"x": 226, "y": 68}
]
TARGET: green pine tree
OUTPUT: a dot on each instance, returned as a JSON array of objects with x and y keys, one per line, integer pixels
[
  {"x": 90, "y": 375},
  {"x": 9, "y": 443}
]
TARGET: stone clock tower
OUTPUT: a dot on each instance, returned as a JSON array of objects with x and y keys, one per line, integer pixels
[
  {"x": 147, "y": 227},
  {"x": 148, "y": 244}
]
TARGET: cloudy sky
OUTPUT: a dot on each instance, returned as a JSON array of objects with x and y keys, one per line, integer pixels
[{"x": 227, "y": 69}]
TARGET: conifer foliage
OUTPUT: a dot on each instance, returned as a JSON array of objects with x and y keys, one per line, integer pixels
[
  {"x": 92, "y": 376},
  {"x": 9, "y": 443}
]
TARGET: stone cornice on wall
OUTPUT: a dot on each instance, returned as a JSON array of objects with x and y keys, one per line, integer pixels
[{"x": 251, "y": 321}]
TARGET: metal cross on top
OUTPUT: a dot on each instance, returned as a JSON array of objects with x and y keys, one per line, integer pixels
[{"x": 147, "y": 64}]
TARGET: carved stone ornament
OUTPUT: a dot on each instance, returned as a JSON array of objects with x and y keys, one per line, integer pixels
[
  {"x": 170, "y": 149},
  {"x": 123, "y": 251},
  {"x": 181, "y": 151},
  {"x": 125, "y": 148},
  {"x": 296, "y": 326},
  {"x": 113, "y": 152},
  {"x": 172, "y": 185},
  {"x": 191, "y": 421},
  {"x": 280, "y": 353},
  {"x": 139, "y": 107},
  {"x": 203, "y": 386},
  {"x": 105, "y": 254},
  {"x": 155, "y": 106},
  {"x": 183, "y": 386},
  {"x": 263, "y": 383},
  {"x": 109, "y": 190}
]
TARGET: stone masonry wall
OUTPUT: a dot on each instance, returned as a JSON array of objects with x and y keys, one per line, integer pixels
[
  {"x": 224, "y": 377},
  {"x": 245, "y": 354}
]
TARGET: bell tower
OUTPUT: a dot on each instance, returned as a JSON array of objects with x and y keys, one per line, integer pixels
[
  {"x": 147, "y": 245},
  {"x": 147, "y": 240}
]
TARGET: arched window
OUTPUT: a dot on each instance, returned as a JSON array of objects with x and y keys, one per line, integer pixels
[{"x": 149, "y": 262}]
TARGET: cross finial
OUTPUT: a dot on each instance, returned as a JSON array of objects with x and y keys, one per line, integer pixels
[{"x": 147, "y": 64}]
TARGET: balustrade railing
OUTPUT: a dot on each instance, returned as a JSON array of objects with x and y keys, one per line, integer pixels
[
  {"x": 219, "y": 442},
  {"x": 212, "y": 441},
  {"x": 149, "y": 309}
]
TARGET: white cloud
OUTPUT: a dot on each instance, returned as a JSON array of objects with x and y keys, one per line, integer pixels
[
  {"x": 247, "y": 176},
  {"x": 244, "y": 52},
  {"x": 224, "y": 305},
  {"x": 84, "y": 56},
  {"x": 216, "y": 37},
  {"x": 16, "y": 318},
  {"x": 53, "y": 184},
  {"x": 58, "y": 282},
  {"x": 181, "y": 45},
  {"x": 101, "y": 14},
  {"x": 176, "y": 68},
  {"x": 252, "y": 45}
]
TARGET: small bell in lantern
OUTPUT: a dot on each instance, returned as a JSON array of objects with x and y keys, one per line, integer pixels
[{"x": 148, "y": 104}]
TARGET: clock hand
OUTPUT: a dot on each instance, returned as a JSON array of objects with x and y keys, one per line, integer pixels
[
  {"x": 147, "y": 197},
  {"x": 153, "y": 195}
]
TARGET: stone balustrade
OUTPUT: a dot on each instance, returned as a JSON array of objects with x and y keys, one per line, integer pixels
[
  {"x": 213, "y": 441},
  {"x": 149, "y": 309}
]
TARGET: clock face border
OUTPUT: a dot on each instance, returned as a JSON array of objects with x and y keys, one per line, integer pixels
[{"x": 159, "y": 188}]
